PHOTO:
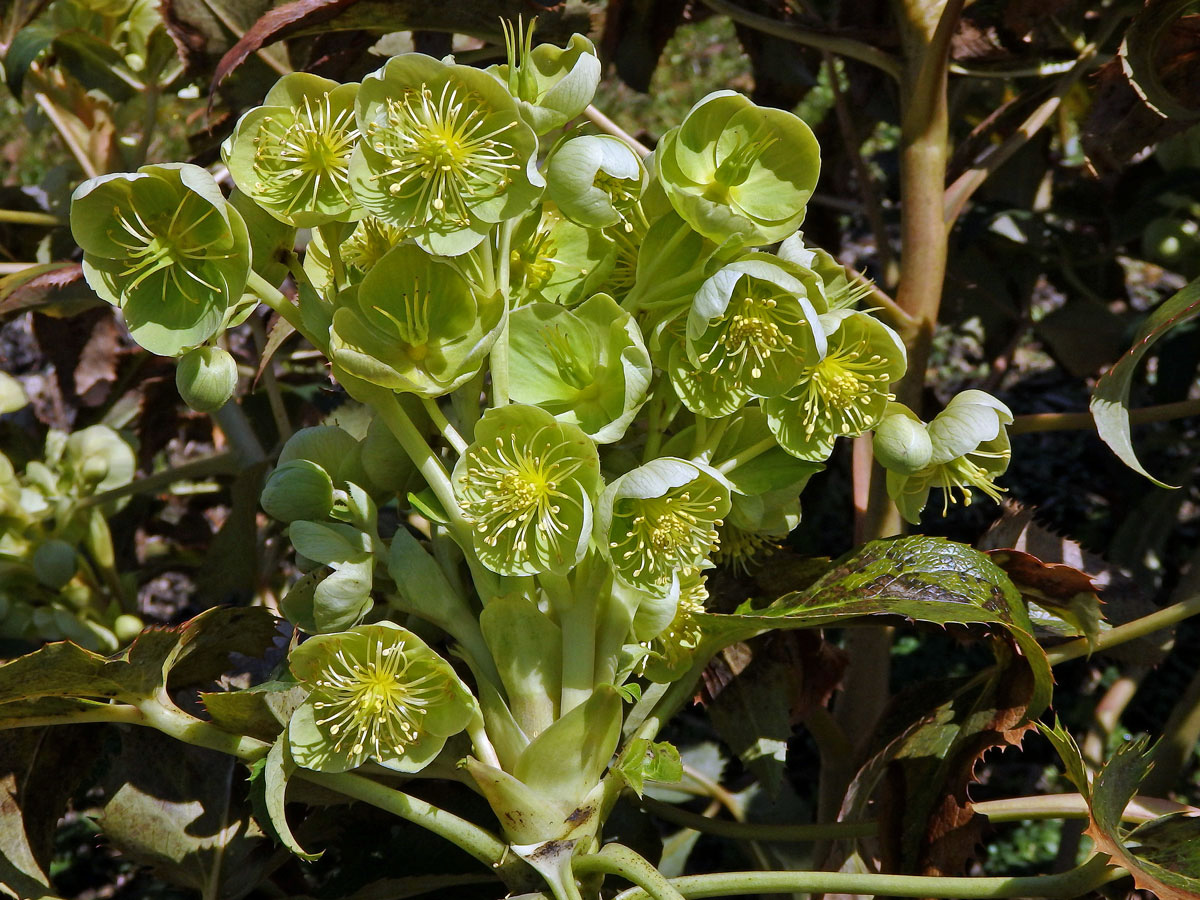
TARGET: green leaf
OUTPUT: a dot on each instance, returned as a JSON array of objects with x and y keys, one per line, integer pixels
[
  {"x": 26, "y": 46},
  {"x": 657, "y": 761},
  {"x": 261, "y": 711},
  {"x": 926, "y": 579},
  {"x": 752, "y": 714},
  {"x": 1163, "y": 855},
  {"x": 276, "y": 769},
  {"x": 1110, "y": 400},
  {"x": 1148, "y": 45}
]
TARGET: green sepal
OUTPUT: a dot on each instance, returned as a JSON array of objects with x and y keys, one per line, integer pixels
[
  {"x": 595, "y": 180},
  {"x": 527, "y": 648},
  {"x": 342, "y": 597}
]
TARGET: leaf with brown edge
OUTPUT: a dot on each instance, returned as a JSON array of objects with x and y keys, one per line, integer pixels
[
  {"x": 1064, "y": 594},
  {"x": 40, "y": 287}
]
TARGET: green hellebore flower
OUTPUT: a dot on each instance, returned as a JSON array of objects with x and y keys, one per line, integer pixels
[
  {"x": 845, "y": 393},
  {"x": 587, "y": 366},
  {"x": 670, "y": 652},
  {"x": 165, "y": 247},
  {"x": 444, "y": 155},
  {"x": 553, "y": 260},
  {"x": 551, "y": 85},
  {"x": 596, "y": 180},
  {"x": 738, "y": 172},
  {"x": 414, "y": 325},
  {"x": 292, "y": 154},
  {"x": 97, "y": 459},
  {"x": 369, "y": 240},
  {"x": 901, "y": 442},
  {"x": 752, "y": 330},
  {"x": 660, "y": 519},
  {"x": 377, "y": 692},
  {"x": 970, "y": 450},
  {"x": 841, "y": 291},
  {"x": 527, "y": 485}
]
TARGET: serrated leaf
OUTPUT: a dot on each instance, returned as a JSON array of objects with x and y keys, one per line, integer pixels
[
  {"x": 918, "y": 577},
  {"x": 657, "y": 761},
  {"x": 276, "y": 769},
  {"x": 1154, "y": 37},
  {"x": 1110, "y": 400}
]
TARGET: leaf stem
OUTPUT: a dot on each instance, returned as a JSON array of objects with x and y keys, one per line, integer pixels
[
  {"x": 1083, "y": 421},
  {"x": 21, "y": 217},
  {"x": 1073, "y": 883},
  {"x": 604, "y": 123},
  {"x": 330, "y": 232},
  {"x": 617, "y": 859},
  {"x": 225, "y": 463},
  {"x": 744, "y": 456},
  {"x": 755, "y": 832},
  {"x": 449, "y": 432},
  {"x": 274, "y": 298},
  {"x": 1146, "y": 625}
]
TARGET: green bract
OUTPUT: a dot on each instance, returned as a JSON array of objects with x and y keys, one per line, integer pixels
[
  {"x": 660, "y": 519},
  {"x": 444, "y": 154},
  {"x": 845, "y": 392},
  {"x": 738, "y": 172},
  {"x": 298, "y": 489},
  {"x": 292, "y": 154},
  {"x": 414, "y": 324},
  {"x": 377, "y": 692},
  {"x": 752, "y": 331},
  {"x": 527, "y": 485},
  {"x": 552, "y": 85},
  {"x": 206, "y": 378},
  {"x": 595, "y": 180},
  {"x": 587, "y": 366},
  {"x": 970, "y": 449},
  {"x": 165, "y": 247}
]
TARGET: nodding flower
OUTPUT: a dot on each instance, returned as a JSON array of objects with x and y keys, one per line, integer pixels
[{"x": 376, "y": 692}]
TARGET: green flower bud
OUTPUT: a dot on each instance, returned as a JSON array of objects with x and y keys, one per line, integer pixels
[
  {"x": 596, "y": 180},
  {"x": 98, "y": 459},
  {"x": 661, "y": 519},
  {"x": 752, "y": 331},
  {"x": 298, "y": 489},
  {"x": 292, "y": 154},
  {"x": 414, "y": 325},
  {"x": 587, "y": 366},
  {"x": 377, "y": 692},
  {"x": 126, "y": 627},
  {"x": 165, "y": 247},
  {"x": 445, "y": 154},
  {"x": 551, "y": 85},
  {"x": 739, "y": 172},
  {"x": 970, "y": 450},
  {"x": 527, "y": 485},
  {"x": 55, "y": 563},
  {"x": 844, "y": 393},
  {"x": 901, "y": 443},
  {"x": 206, "y": 378}
]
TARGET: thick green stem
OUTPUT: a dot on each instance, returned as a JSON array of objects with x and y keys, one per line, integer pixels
[
  {"x": 21, "y": 217},
  {"x": 617, "y": 859},
  {"x": 1083, "y": 421},
  {"x": 387, "y": 405},
  {"x": 1156, "y": 621},
  {"x": 274, "y": 298},
  {"x": 225, "y": 463},
  {"x": 1075, "y": 883},
  {"x": 755, "y": 832}
]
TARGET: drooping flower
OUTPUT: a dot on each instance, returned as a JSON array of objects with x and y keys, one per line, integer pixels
[
  {"x": 596, "y": 180},
  {"x": 292, "y": 154},
  {"x": 444, "y": 155},
  {"x": 377, "y": 692},
  {"x": 414, "y": 325},
  {"x": 970, "y": 449},
  {"x": 660, "y": 519},
  {"x": 164, "y": 246},
  {"x": 527, "y": 485},
  {"x": 670, "y": 651},
  {"x": 845, "y": 393},
  {"x": 739, "y": 172}
]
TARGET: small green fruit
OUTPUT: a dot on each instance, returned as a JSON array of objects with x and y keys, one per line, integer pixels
[
  {"x": 54, "y": 563},
  {"x": 298, "y": 490},
  {"x": 206, "y": 378},
  {"x": 127, "y": 627},
  {"x": 902, "y": 444}
]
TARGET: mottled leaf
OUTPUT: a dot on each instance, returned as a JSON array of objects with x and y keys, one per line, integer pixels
[
  {"x": 1110, "y": 400},
  {"x": 1061, "y": 598}
]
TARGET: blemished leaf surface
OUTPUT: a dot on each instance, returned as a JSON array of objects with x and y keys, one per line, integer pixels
[
  {"x": 189, "y": 654},
  {"x": 921, "y": 578},
  {"x": 1110, "y": 400},
  {"x": 919, "y": 779},
  {"x": 1061, "y": 599},
  {"x": 183, "y": 811},
  {"x": 40, "y": 769}
]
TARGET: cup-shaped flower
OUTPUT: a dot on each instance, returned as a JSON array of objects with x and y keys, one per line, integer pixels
[
  {"x": 292, "y": 154},
  {"x": 553, "y": 260},
  {"x": 444, "y": 153},
  {"x": 165, "y": 247},
  {"x": 738, "y": 172},
  {"x": 660, "y": 519},
  {"x": 970, "y": 450},
  {"x": 369, "y": 239},
  {"x": 596, "y": 180},
  {"x": 527, "y": 485},
  {"x": 414, "y": 325},
  {"x": 377, "y": 692},
  {"x": 752, "y": 330},
  {"x": 587, "y": 366},
  {"x": 552, "y": 85},
  {"x": 843, "y": 394}
]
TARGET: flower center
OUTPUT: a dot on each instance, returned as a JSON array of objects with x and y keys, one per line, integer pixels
[
  {"x": 302, "y": 154},
  {"x": 513, "y": 492},
  {"x": 413, "y": 328},
  {"x": 442, "y": 153},
  {"x": 371, "y": 239},
  {"x": 842, "y": 389},
  {"x": 964, "y": 473},
  {"x": 754, "y": 332},
  {"x": 374, "y": 704},
  {"x": 667, "y": 533}
]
